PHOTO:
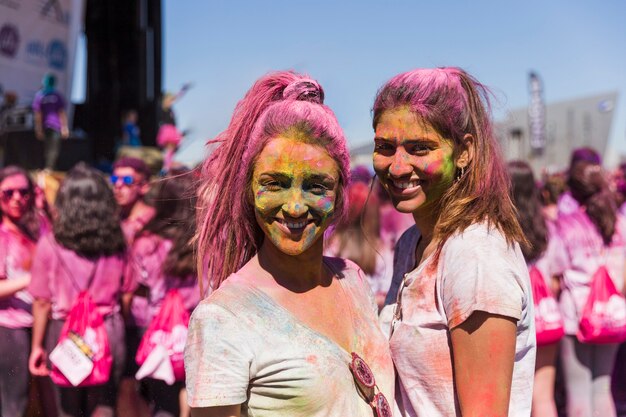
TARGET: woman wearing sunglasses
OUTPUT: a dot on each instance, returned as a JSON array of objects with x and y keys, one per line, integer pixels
[
  {"x": 463, "y": 338},
  {"x": 19, "y": 231},
  {"x": 285, "y": 331}
]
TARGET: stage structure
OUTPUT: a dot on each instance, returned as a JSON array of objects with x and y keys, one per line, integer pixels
[{"x": 123, "y": 70}]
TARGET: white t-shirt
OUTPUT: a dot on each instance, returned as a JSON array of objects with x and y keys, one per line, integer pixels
[
  {"x": 244, "y": 348},
  {"x": 477, "y": 271}
]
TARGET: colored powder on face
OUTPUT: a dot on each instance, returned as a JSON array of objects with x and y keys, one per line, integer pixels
[{"x": 294, "y": 180}]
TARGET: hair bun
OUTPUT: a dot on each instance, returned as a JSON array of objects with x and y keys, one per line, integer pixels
[{"x": 305, "y": 90}]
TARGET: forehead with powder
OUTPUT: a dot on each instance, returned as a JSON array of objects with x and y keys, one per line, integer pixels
[{"x": 291, "y": 156}]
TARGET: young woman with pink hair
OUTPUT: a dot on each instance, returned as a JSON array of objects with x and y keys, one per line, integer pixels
[
  {"x": 20, "y": 229},
  {"x": 285, "y": 331},
  {"x": 462, "y": 335}
]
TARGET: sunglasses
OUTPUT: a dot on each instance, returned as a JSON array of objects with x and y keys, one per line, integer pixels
[
  {"x": 367, "y": 386},
  {"x": 126, "y": 179},
  {"x": 10, "y": 192}
]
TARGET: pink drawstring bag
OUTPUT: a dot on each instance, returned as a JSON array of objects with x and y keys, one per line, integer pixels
[
  {"x": 603, "y": 318},
  {"x": 168, "y": 329},
  {"x": 84, "y": 331},
  {"x": 548, "y": 320}
]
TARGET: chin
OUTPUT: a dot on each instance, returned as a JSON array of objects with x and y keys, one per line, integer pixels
[{"x": 407, "y": 206}]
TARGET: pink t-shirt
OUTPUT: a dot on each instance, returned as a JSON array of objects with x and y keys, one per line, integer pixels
[
  {"x": 477, "y": 271},
  {"x": 245, "y": 348},
  {"x": 581, "y": 252},
  {"x": 145, "y": 269},
  {"x": 59, "y": 275},
  {"x": 16, "y": 257},
  {"x": 551, "y": 262}
]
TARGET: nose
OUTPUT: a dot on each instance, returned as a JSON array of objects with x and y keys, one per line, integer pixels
[
  {"x": 400, "y": 164},
  {"x": 295, "y": 206}
]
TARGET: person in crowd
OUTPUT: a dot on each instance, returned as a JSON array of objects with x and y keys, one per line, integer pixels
[
  {"x": 359, "y": 237},
  {"x": 285, "y": 331},
  {"x": 85, "y": 252},
  {"x": 162, "y": 259},
  {"x": 20, "y": 229},
  {"x": 131, "y": 184},
  {"x": 130, "y": 130},
  {"x": 540, "y": 253},
  {"x": 552, "y": 187},
  {"x": 462, "y": 333},
  {"x": 50, "y": 119},
  {"x": 567, "y": 204},
  {"x": 592, "y": 236}
]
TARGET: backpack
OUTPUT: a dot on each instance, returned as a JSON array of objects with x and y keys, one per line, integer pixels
[
  {"x": 548, "y": 320},
  {"x": 160, "y": 353},
  {"x": 82, "y": 356},
  {"x": 603, "y": 318}
]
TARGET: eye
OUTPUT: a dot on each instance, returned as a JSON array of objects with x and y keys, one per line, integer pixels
[
  {"x": 418, "y": 148},
  {"x": 382, "y": 146},
  {"x": 271, "y": 185},
  {"x": 319, "y": 189}
]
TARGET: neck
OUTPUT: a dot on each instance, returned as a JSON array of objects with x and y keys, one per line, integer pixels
[
  {"x": 9, "y": 224},
  {"x": 298, "y": 273},
  {"x": 425, "y": 222}
]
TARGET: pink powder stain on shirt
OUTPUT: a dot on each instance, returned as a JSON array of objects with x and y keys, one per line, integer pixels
[{"x": 312, "y": 359}]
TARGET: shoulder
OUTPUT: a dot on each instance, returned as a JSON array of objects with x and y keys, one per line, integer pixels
[{"x": 476, "y": 238}]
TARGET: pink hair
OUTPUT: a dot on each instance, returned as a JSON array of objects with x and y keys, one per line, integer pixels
[
  {"x": 278, "y": 103},
  {"x": 455, "y": 104}
]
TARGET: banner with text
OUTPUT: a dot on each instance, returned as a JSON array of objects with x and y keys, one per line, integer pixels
[{"x": 37, "y": 37}]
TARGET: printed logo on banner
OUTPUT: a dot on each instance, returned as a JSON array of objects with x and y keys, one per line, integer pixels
[
  {"x": 54, "y": 54},
  {"x": 9, "y": 40},
  {"x": 52, "y": 9},
  {"x": 57, "y": 54}
]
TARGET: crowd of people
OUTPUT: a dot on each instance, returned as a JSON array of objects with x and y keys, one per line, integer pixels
[{"x": 444, "y": 282}]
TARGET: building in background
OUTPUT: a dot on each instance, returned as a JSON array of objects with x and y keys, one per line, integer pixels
[{"x": 568, "y": 125}]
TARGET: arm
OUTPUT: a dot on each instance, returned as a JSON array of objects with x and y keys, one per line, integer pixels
[
  {"x": 127, "y": 298},
  {"x": 8, "y": 287},
  {"x": 223, "y": 411},
  {"x": 38, "y": 126},
  {"x": 38, "y": 356},
  {"x": 483, "y": 349},
  {"x": 65, "y": 132}
]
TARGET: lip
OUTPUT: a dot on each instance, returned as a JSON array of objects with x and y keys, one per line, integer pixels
[
  {"x": 293, "y": 227},
  {"x": 394, "y": 189}
]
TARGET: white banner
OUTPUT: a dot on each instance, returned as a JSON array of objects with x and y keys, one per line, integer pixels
[{"x": 36, "y": 37}]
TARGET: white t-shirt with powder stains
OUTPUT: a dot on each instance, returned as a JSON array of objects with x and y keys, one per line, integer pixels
[
  {"x": 244, "y": 348},
  {"x": 477, "y": 271}
]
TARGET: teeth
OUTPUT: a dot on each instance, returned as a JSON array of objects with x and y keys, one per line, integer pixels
[
  {"x": 406, "y": 184},
  {"x": 292, "y": 225}
]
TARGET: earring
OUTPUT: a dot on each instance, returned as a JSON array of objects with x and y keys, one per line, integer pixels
[{"x": 458, "y": 177}]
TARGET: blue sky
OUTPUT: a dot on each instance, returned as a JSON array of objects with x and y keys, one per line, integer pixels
[{"x": 353, "y": 47}]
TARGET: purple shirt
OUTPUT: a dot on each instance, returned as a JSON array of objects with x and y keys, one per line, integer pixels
[
  {"x": 50, "y": 105},
  {"x": 16, "y": 257},
  {"x": 59, "y": 275},
  {"x": 145, "y": 268}
]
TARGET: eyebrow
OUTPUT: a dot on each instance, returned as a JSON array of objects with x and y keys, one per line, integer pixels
[
  {"x": 312, "y": 177},
  {"x": 409, "y": 140}
]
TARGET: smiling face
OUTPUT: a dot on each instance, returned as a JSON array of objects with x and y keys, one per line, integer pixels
[
  {"x": 295, "y": 188},
  {"x": 15, "y": 197},
  {"x": 414, "y": 163}
]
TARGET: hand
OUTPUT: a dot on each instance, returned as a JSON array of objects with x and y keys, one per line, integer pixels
[
  {"x": 39, "y": 134},
  {"x": 65, "y": 133},
  {"x": 37, "y": 362}
]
